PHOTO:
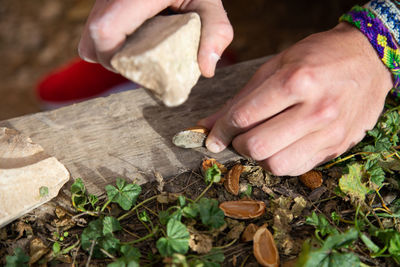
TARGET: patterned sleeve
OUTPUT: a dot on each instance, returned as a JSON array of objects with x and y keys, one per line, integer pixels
[{"x": 388, "y": 11}]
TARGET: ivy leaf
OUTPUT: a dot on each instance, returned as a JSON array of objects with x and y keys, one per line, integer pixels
[
  {"x": 130, "y": 257},
  {"x": 210, "y": 214},
  {"x": 19, "y": 259},
  {"x": 321, "y": 224},
  {"x": 100, "y": 232},
  {"x": 124, "y": 194},
  {"x": 213, "y": 174},
  {"x": 78, "y": 195},
  {"x": 351, "y": 184},
  {"x": 177, "y": 240}
]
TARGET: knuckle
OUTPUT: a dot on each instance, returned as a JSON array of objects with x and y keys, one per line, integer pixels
[
  {"x": 240, "y": 118},
  {"x": 326, "y": 112},
  {"x": 299, "y": 81},
  {"x": 100, "y": 30},
  {"x": 278, "y": 166},
  {"x": 256, "y": 148},
  {"x": 224, "y": 30}
]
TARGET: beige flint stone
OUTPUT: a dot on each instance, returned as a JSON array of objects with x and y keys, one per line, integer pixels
[
  {"x": 24, "y": 169},
  {"x": 162, "y": 56}
]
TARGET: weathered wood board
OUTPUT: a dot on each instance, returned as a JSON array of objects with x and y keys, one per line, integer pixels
[{"x": 129, "y": 134}]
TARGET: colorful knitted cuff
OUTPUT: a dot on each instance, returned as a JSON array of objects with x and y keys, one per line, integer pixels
[
  {"x": 380, "y": 38},
  {"x": 389, "y": 14}
]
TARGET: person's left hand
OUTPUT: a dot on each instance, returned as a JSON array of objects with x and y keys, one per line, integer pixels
[{"x": 306, "y": 105}]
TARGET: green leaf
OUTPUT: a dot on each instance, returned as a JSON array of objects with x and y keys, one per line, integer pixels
[
  {"x": 56, "y": 248},
  {"x": 176, "y": 241},
  {"x": 163, "y": 216},
  {"x": 368, "y": 243},
  {"x": 213, "y": 174},
  {"x": 182, "y": 201},
  {"x": 394, "y": 247},
  {"x": 110, "y": 225},
  {"x": 44, "y": 191},
  {"x": 351, "y": 183},
  {"x": 130, "y": 257},
  {"x": 93, "y": 200},
  {"x": 210, "y": 214},
  {"x": 191, "y": 210},
  {"x": 78, "y": 195},
  {"x": 125, "y": 194},
  {"x": 212, "y": 259},
  {"x": 100, "y": 232},
  {"x": 248, "y": 191},
  {"x": 321, "y": 224},
  {"x": 144, "y": 217},
  {"x": 19, "y": 259},
  {"x": 328, "y": 255}
]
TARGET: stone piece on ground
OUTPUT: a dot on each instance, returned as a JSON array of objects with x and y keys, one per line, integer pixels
[
  {"x": 162, "y": 56},
  {"x": 28, "y": 176}
]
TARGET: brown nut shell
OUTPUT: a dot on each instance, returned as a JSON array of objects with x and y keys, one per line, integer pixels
[
  {"x": 191, "y": 138},
  {"x": 264, "y": 248},
  {"x": 243, "y": 209},
  {"x": 248, "y": 233},
  {"x": 209, "y": 162},
  {"x": 231, "y": 182},
  {"x": 312, "y": 179}
]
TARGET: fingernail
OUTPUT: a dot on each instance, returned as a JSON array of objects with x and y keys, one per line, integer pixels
[
  {"x": 214, "y": 58},
  {"x": 214, "y": 147},
  {"x": 88, "y": 60}
]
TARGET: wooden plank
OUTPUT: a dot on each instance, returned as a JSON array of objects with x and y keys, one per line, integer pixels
[{"x": 129, "y": 134}]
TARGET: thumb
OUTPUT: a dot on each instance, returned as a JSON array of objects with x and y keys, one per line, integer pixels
[{"x": 216, "y": 32}]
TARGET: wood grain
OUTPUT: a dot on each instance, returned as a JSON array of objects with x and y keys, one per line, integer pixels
[{"x": 129, "y": 134}]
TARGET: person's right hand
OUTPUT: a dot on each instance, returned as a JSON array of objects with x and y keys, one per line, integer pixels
[{"x": 111, "y": 21}]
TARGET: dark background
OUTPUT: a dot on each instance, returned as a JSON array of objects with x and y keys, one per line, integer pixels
[{"x": 38, "y": 36}]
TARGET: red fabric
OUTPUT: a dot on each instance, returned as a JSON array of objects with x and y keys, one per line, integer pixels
[{"x": 77, "y": 80}]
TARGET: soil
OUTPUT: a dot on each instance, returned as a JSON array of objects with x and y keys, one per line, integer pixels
[
  {"x": 39, "y": 36},
  {"x": 278, "y": 193}
]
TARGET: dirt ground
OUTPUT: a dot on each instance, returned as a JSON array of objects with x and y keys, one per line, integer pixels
[{"x": 38, "y": 36}]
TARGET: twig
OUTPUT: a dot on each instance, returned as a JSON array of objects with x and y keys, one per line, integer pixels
[
  {"x": 244, "y": 261},
  {"x": 142, "y": 238},
  {"x": 107, "y": 254},
  {"x": 227, "y": 245},
  {"x": 135, "y": 208},
  {"x": 204, "y": 192},
  {"x": 130, "y": 233},
  {"x": 90, "y": 253}
]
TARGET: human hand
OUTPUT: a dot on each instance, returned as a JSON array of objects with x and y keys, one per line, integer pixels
[
  {"x": 111, "y": 21},
  {"x": 306, "y": 105}
]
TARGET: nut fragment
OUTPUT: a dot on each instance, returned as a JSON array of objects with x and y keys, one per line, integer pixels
[
  {"x": 191, "y": 138},
  {"x": 264, "y": 248},
  {"x": 232, "y": 179},
  {"x": 312, "y": 179},
  {"x": 249, "y": 231},
  {"x": 243, "y": 209},
  {"x": 209, "y": 162}
]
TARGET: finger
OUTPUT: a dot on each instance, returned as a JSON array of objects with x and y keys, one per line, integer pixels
[
  {"x": 275, "y": 134},
  {"x": 266, "y": 70},
  {"x": 216, "y": 33},
  {"x": 263, "y": 102},
  {"x": 117, "y": 19},
  {"x": 306, "y": 153},
  {"x": 86, "y": 47}
]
